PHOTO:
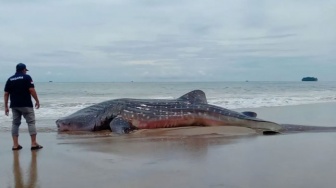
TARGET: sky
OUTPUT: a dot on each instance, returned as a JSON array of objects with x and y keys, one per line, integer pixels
[{"x": 168, "y": 41}]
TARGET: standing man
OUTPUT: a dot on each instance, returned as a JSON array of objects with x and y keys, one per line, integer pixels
[{"x": 19, "y": 88}]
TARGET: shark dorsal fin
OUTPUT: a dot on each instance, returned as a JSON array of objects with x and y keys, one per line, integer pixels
[{"x": 194, "y": 97}]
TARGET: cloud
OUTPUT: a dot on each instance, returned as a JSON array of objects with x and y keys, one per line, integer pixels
[{"x": 185, "y": 40}]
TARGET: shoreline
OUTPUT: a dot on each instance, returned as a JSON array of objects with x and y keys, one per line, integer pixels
[
  {"x": 317, "y": 114},
  {"x": 181, "y": 157}
]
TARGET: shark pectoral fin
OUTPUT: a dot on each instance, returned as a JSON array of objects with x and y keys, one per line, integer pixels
[
  {"x": 120, "y": 126},
  {"x": 250, "y": 114}
]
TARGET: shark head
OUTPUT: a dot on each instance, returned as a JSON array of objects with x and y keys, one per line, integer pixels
[
  {"x": 92, "y": 118},
  {"x": 78, "y": 122}
]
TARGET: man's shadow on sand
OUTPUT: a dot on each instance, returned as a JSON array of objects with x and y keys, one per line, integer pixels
[{"x": 31, "y": 174}]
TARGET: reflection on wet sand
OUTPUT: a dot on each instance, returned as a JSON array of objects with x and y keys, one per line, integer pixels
[
  {"x": 190, "y": 142},
  {"x": 31, "y": 175}
]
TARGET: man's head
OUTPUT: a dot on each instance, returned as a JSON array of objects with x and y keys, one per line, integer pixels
[{"x": 21, "y": 67}]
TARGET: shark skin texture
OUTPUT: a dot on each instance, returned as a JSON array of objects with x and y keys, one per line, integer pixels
[{"x": 192, "y": 109}]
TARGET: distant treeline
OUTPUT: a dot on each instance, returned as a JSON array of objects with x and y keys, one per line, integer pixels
[{"x": 309, "y": 79}]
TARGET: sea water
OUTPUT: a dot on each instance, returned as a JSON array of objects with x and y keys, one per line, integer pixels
[{"x": 61, "y": 99}]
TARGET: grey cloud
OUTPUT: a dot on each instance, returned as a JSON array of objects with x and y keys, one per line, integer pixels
[
  {"x": 169, "y": 40},
  {"x": 279, "y": 36},
  {"x": 171, "y": 47},
  {"x": 59, "y": 54}
]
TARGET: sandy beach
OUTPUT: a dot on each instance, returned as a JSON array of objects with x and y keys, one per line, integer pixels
[{"x": 201, "y": 157}]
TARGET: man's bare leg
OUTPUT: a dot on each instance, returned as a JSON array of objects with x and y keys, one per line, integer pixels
[
  {"x": 33, "y": 140},
  {"x": 15, "y": 141}
]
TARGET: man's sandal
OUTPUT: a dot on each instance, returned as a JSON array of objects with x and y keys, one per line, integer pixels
[
  {"x": 17, "y": 148},
  {"x": 36, "y": 147}
]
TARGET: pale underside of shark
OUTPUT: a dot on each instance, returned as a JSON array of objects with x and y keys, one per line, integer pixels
[{"x": 125, "y": 115}]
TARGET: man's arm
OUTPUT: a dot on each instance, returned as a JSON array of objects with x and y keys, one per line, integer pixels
[
  {"x": 6, "y": 96},
  {"x": 34, "y": 94}
]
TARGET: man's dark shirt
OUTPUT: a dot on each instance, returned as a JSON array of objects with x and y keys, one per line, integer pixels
[{"x": 18, "y": 88}]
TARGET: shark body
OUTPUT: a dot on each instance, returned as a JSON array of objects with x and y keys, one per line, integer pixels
[{"x": 125, "y": 115}]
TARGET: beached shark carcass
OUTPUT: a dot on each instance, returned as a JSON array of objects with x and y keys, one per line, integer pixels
[{"x": 192, "y": 109}]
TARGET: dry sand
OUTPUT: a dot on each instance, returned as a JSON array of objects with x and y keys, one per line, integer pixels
[{"x": 184, "y": 157}]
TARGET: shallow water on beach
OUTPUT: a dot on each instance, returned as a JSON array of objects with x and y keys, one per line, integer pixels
[
  {"x": 184, "y": 157},
  {"x": 277, "y": 161},
  {"x": 297, "y": 160}
]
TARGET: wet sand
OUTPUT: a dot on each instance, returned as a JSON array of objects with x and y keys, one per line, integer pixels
[{"x": 185, "y": 157}]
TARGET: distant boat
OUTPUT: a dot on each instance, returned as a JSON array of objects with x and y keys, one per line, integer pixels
[
  {"x": 309, "y": 79},
  {"x": 50, "y": 81}
]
